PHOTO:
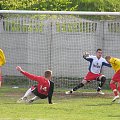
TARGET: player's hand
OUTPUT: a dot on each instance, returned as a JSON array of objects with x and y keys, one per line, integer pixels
[
  {"x": 19, "y": 68},
  {"x": 86, "y": 54}
]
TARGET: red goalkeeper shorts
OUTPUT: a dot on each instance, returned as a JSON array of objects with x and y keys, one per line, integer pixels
[
  {"x": 116, "y": 76},
  {"x": 91, "y": 76}
]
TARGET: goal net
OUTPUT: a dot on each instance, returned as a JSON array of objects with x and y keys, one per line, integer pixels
[{"x": 56, "y": 40}]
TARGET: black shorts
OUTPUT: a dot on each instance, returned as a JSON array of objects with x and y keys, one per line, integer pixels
[{"x": 35, "y": 92}]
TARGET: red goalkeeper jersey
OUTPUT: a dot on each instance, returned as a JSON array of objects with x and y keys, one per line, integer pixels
[{"x": 43, "y": 83}]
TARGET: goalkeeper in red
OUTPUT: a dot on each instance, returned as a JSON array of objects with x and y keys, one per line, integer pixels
[
  {"x": 44, "y": 88},
  {"x": 115, "y": 82},
  {"x": 95, "y": 67}
]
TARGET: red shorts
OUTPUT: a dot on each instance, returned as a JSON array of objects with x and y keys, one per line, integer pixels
[
  {"x": 91, "y": 76},
  {"x": 116, "y": 76}
]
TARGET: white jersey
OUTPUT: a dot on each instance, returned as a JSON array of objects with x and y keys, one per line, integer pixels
[{"x": 96, "y": 64}]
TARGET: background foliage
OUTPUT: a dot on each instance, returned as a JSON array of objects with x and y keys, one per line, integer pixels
[{"x": 61, "y": 5}]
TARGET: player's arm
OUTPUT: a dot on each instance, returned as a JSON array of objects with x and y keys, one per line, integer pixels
[
  {"x": 50, "y": 92},
  {"x": 105, "y": 63},
  {"x": 28, "y": 75}
]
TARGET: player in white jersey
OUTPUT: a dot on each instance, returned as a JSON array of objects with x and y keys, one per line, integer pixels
[{"x": 95, "y": 67}]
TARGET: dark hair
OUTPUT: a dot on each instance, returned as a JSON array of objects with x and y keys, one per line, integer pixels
[{"x": 99, "y": 49}]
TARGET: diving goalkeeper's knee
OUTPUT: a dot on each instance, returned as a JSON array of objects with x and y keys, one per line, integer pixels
[{"x": 78, "y": 86}]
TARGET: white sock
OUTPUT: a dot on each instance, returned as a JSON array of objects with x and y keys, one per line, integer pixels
[
  {"x": 28, "y": 93},
  {"x": 35, "y": 98}
]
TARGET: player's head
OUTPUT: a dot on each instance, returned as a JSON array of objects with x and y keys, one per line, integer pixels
[
  {"x": 108, "y": 58},
  {"x": 48, "y": 74},
  {"x": 99, "y": 53}
]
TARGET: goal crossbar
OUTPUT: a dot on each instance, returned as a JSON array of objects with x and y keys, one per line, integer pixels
[{"x": 59, "y": 12}]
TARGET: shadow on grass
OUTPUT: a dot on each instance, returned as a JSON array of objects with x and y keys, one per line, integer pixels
[
  {"x": 8, "y": 103},
  {"x": 35, "y": 103},
  {"x": 114, "y": 116},
  {"x": 103, "y": 104}
]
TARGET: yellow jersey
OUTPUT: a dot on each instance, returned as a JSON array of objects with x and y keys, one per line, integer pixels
[
  {"x": 115, "y": 62},
  {"x": 2, "y": 58}
]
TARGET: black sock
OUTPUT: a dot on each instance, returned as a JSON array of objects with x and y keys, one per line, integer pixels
[
  {"x": 78, "y": 86},
  {"x": 102, "y": 81},
  {"x": 99, "y": 88}
]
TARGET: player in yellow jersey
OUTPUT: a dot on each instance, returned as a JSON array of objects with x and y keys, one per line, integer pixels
[
  {"x": 115, "y": 82},
  {"x": 2, "y": 62}
]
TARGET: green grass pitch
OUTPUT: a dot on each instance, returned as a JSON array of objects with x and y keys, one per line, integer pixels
[{"x": 81, "y": 106}]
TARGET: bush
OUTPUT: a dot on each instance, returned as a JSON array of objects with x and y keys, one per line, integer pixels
[{"x": 15, "y": 81}]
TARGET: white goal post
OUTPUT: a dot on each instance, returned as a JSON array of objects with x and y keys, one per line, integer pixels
[
  {"x": 56, "y": 40},
  {"x": 59, "y": 12}
]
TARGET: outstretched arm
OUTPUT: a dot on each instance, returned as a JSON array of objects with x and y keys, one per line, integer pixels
[
  {"x": 30, "y": 76},
  {"x": 105, "y": 63}
]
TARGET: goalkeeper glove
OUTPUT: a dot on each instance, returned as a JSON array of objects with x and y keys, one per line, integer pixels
[{"x": 85, "y": 54}]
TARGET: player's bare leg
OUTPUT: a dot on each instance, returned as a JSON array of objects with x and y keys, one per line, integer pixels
[{"x": 77, "y": 87}]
